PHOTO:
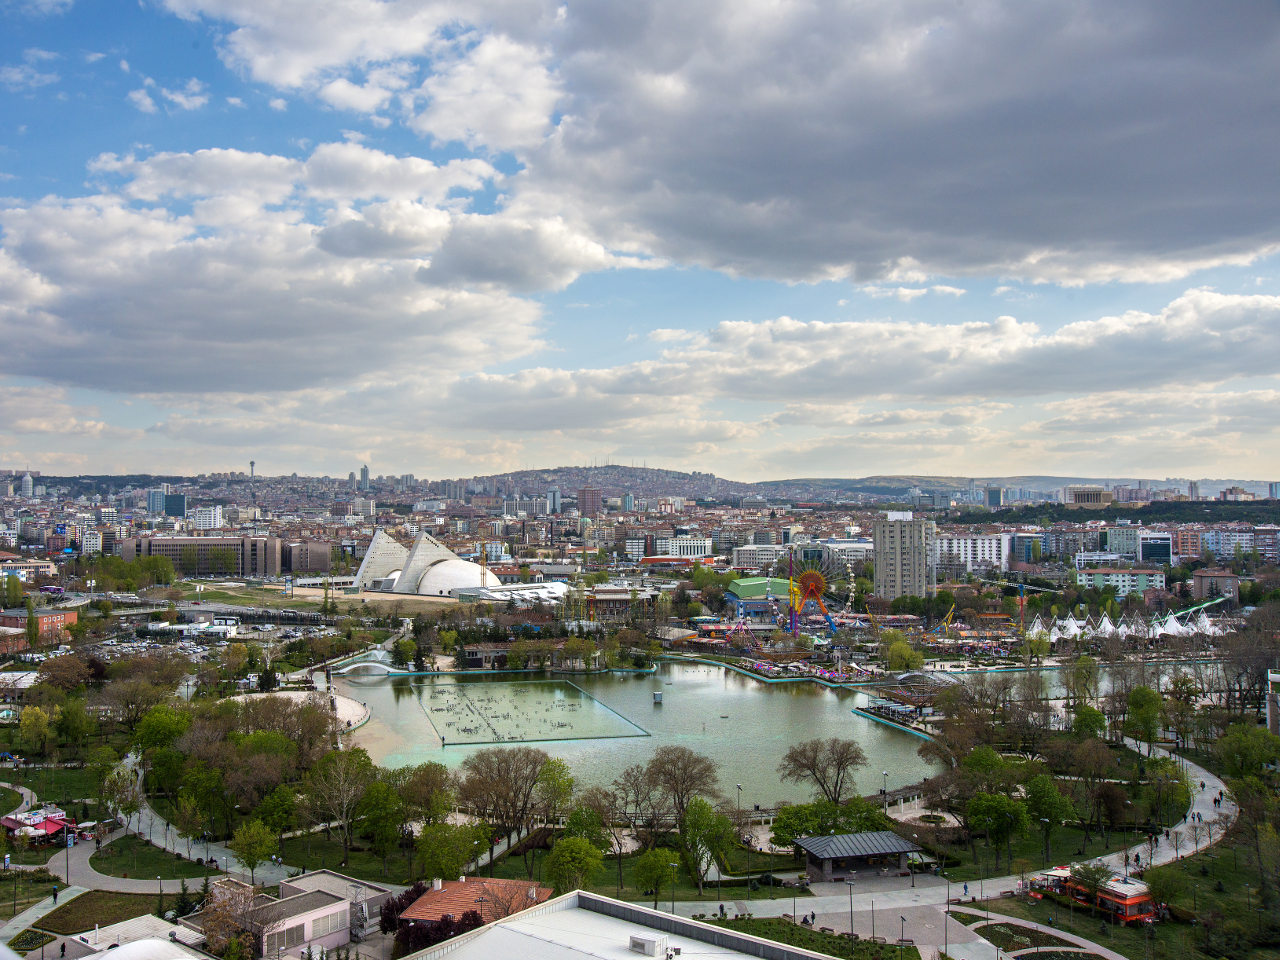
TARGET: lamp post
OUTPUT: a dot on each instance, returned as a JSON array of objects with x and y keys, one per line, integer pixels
[
  {"x": 873, "y": 918},
  {"x": 884, "y": 790},
  {"x": 747, "y": 844},
  {"x": 672, "y": 865},
  {"x": 902, "y": 932},
  {"x": 1045, "y": 822},
  {"x": 915, "y": 838},
  {"x": 946, "y": 907},
  {"x": 849, "y": 884}
]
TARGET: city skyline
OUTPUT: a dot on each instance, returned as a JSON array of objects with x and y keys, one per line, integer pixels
[{"x": 762, "y": 241}]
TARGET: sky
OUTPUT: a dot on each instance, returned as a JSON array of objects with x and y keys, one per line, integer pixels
[{"x": 763, "y": 238}]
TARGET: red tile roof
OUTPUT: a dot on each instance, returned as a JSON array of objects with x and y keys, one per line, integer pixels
[{"x": 492, "y": 898}]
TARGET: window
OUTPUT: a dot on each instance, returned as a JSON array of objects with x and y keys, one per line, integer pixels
[{"x": 330, "y": 923}]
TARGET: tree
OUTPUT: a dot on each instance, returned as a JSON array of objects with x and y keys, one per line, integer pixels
[
  {"x": 706, "y": 834},
  {"x": 253, "y": 843},
  {"x": 1143, "y": 719},
  {"x": 555, "y": 787},
  {"x": 855, "y": 815},
  {"x": 1090, "y": 877},
  {"x": 12, "y": 591},
  {"x": 278, "y": 809},
  {"x": 334, "y": 788},
  {"x": 1046, "y": 805},
  {"x": 66, "y": 672},
  {"x": 445, "y": 849},
  {"x": 682, "y": 775},
  {"x": 100, "y": 762},
  {"x": 188, "y": 819},
  {"x": 999, "y": 817},
  {"x": 383, "y": 813},
  {"x": 652, "y": 869},
  {"x": 33, "y": 730},
  {"x": 121, "y": 794},
  {"x": 428, "y": 790},
  {"x": 1088, "y": 722},
  {"x": 900, "y": 655},
  {"x": 828, "y": 764},
  {"x": 572, "y": 861},
  {"x": 1246, "y": 748},
  {"x": 501, "y": 785},
  {"x": 74, "y": 724},
  {"x": 33, "y": 625},
  {"x": 641, "y": 801},
  {"x": 586, "y": 822},
  {"x": 161, "y": 726}
]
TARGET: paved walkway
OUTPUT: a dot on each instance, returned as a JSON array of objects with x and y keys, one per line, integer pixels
[
  {"x": 891, "y": 904},
  {"x": 28, "y": 798},
  {"x": 37, "y": 910},
  {"x": 1081, "y": 942}
]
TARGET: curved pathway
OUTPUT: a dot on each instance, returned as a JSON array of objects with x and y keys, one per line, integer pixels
[
  {"x": 1077, "y": 942},
  {"x": 885, "y": 903}
]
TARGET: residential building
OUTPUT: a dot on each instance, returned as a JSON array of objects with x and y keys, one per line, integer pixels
[
  {"x": 90, "y": 543},
  {"x": 207, "y": 518},
  {"x": 904, "y": 557},
  {"x": 1208, "y": 584},
  {"x": 491, "y": 897},
  {"x": 959, "y": 553},
  {"x": 590, "y": 502},
  {"x": 1125, "y": 581}
]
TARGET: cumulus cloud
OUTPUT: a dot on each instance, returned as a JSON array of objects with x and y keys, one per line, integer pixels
[
  {"x": 191, "y": 96},
  {"x": 29, "y": 75},
  {"x": 142, "y": 100}
]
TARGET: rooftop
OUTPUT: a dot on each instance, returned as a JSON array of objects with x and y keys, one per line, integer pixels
[
  {"x": 492, "y": 898},
  {"x": 876, "y": 843}
]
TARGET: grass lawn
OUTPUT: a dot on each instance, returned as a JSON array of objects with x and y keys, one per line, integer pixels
[
  {"x": 783, "y": 931},
  {"x": 9, "y": 800},
  {"x": 606, "y": 881},
  {"x": 60, "y": 785},
  {"x": 26, "y": 891},
  {"x": 134, "y": 857},
  {"x": 967, "y": 919},
  {"x": 315, "y": 852},
  {"x": 782, "y": 864},
  {"x": 1063, "y": 847},
  {"x": 97, "y": 906}
]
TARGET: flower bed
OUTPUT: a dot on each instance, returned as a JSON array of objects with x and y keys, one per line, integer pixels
[{"x": 1012, "y": 936}]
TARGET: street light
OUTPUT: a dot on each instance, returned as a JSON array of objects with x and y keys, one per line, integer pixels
[
  {"x": 946, "y": 908},
  {"x": 910, "y": 865},
  {"x": 672, "y": 865},
  {"x": 884, "y": 791},
  {"x": 1045, "y": 821},
  {"x": 748, "y": 843},
  {"x": 849, "y": 884},
  {"x": 902, "y": 932}
]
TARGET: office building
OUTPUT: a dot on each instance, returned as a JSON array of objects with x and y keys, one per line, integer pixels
[
  {"x": 155, "y": 501},
  {"x": 197, "y": 556},
  {"x": 364, "y": 477},
  {"x": 995, "y": 498},
  {"x": 904, "y": 557},
  {"x": 1273, "y": 490},
  {"x": 175, "y": 505},
  {"x": 207, "y": 518},
  {"x": 28, "y": 485}
]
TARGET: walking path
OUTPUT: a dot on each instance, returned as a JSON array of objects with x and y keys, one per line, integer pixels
[
  {"x": 891, "y": 905},
  {"x": 1081, "y": 942},
  {"x": 37, "y": 910},
  {"x": 28, "y": 798}
]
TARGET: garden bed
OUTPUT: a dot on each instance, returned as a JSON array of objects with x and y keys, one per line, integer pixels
[{"x": 1013, "y": 936}]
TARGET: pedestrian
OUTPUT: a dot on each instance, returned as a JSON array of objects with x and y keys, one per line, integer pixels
[
  {"x": 63, "y": 951},
  {"x": 966, "y": 889},
  {"x": 55, "y": 893},
  {"x": 1201, "y": 784}
]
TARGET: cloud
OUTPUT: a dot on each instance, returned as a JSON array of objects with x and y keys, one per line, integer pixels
[
  {"x": 142, "y": 100},
  {"x": 28, "y": 75},
  {"x": 192, "y": 96},
  {"x": 278, "y": 104},
  {"x": 38, "y": 8}
]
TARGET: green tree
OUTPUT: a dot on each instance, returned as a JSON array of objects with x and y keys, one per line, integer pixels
[
  {"x": 383, "y": 812},
  {"x": 586, "y": 823},
  {"x": 33, "y": 730},
  {"x": 706, "y": 835},
  {"x": 278, "y": 809},
  {"x": 445, "y": 849},
  {"x": 1090, "y": 877},
  {"x": 253, "y": 843},
  {"x": 1143, "y": 718},
  {"x": 999, "y": 817},
  {"x": 855, "y": 815},
  {"x": 33, "y": 625},
  {"x": 572, "y": 862},
  {"x": 12, "y": 591},
  {"x": 652, "y": 871},
  {"x": 555, "y": 787},
  {"x": 75, "y": 724},
  {"x": 1246, "y": 748},
  {"x": 161, "y": 726},
  {"x": 1088, "y": 722},
  {"x": 1047, "y": 806}
]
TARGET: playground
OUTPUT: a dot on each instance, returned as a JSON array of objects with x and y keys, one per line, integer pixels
[{"x": 519, "y": 712}]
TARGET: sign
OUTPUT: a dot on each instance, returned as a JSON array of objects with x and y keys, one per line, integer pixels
[
  {"x": 6, "y": 861},
  {"x": 71, "y": 839}
]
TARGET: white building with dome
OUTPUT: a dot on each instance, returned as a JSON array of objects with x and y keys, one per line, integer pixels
[{"x": 427, "y": 569}]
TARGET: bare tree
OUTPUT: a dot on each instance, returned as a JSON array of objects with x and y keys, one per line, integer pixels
[
  {"x": 643, "y": 802},
  {"x": 682, "y": 775},
  {"x": 334, "y": 789},
  {"x": 500, "y": 784},
  {"x": 608, "y": 805},
  {"x": 827, "y": 764}
]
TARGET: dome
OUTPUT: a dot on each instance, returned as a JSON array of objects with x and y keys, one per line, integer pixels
[{"x": 454, "y": 574}]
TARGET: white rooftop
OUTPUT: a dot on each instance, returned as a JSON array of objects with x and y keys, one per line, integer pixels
[{"x": 583, "y": 926}]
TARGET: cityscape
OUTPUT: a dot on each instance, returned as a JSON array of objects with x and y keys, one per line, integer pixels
[{"x": 570, "y": 480}]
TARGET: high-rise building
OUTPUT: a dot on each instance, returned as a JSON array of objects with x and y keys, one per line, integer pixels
[
  {"x": 904, "y": 557},
  {"x": 995, "y": 498},
  {"x": 28, "y": 485},
  {"x": 175, "y": 504},
  {"x": 207, "y": 518},
  {"x": 1193, "y": 490},
  {"x": 554, "y": 501},
  {"x": 590, "y": 502},
  {"x": 628, "y": 503},
  {"x": 364, "y": 477},
  {"x": 1273, "y": 490},
  {"x": 155, "y": 501}
]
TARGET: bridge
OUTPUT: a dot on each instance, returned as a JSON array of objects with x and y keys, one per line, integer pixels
[{"x": 367, "y": 666}]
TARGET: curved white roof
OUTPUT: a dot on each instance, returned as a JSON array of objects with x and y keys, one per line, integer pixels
[{"x": 454, "y": 574}]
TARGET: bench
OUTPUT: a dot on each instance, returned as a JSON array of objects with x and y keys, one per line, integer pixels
[{"x": 825, "y": 930}]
